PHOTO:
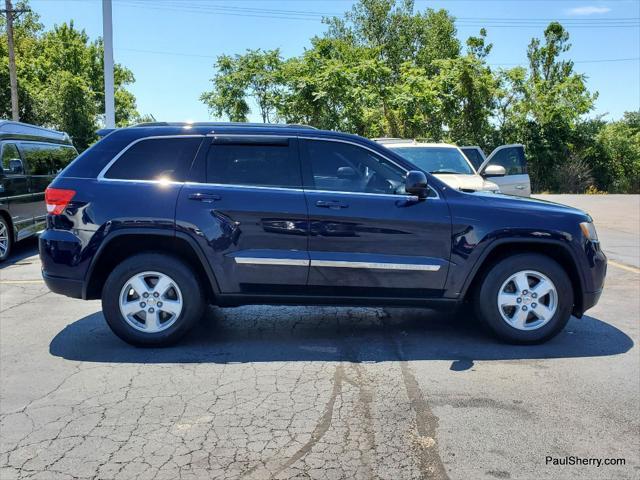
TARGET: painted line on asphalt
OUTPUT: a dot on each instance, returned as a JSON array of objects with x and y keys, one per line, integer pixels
[
  {"x": 628, "y": 268},
  {"x": 20, "y": 282}
]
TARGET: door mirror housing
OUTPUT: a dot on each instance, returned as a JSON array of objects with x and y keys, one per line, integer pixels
[
  {"x": 347, "y": 173},
  {"x": 494, "y": 171},
  {"x": 416, "y": 184}
]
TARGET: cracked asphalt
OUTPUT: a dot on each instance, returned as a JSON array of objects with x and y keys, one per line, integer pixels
[{"x": 307, "y": 392}]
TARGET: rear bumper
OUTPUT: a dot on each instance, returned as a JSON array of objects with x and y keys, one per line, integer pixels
[
  {"x": 64, "y": 286},
  {"x": 63, "y": 264}
]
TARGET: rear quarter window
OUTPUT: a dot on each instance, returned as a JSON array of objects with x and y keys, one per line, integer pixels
[
  {"x": 45, "y": 158},
  {"x": 155, "y": 159}
]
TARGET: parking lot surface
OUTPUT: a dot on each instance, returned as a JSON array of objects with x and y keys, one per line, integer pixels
[{"x": 290, "y": 392}]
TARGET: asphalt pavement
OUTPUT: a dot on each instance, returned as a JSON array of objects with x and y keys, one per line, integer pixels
[{"x": 307, "y": 392}]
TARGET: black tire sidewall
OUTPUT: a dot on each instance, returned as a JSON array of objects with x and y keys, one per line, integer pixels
[
  {"x": 9, "y": 238},
  {"x": 487, "y": 305},
  {"x": 193, "y": 301}
]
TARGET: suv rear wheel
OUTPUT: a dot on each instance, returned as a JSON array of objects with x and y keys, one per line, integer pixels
[
  {"x": 525, "y": 298},
  {"x": 152, "y": 300},
  {"x": 6, "y": 239}
]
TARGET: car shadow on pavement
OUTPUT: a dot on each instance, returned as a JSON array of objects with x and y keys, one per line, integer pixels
[
  {"x": 21, "y": 250},
  {"x": 279, "y": 334}
]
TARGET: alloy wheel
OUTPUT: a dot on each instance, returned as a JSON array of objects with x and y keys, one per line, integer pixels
[
  {"x": 527, "y": 300},
  {"x": 150, "y": 302}
]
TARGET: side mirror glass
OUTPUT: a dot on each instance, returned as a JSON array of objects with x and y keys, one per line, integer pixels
[
  {"x": 494, "y": 171},
  {"x": 15, "y": 166},
  {"x": 347, "y": 173},
  {"x": 416, "y": 184}
]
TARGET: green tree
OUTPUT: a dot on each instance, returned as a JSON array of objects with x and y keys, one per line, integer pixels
[
  {"x": 543, "y": 107},
  {"x": 254, "y": 76},
  {"x": 60, "y": 79}
]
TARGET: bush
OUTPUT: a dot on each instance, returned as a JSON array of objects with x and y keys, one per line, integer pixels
[{"x": 573, "y": 176}]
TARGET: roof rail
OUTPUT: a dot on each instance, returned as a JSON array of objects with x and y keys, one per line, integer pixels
[
  {"x": 223, "y": 124},
  {"x": 9, "y": 127}
]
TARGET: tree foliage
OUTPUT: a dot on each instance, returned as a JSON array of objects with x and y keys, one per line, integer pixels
[
  {"x": 60, "y": 79},
  {"x": 386, "y": 69}
]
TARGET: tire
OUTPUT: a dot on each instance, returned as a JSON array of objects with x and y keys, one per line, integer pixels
[
  {"x": 6, "y": 239},
  {"x": 177, "y": 308},
  {"x": 544, "y": 316}
]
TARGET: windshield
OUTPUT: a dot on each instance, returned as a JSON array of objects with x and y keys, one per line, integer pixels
[{"x": 436, "y": 159}]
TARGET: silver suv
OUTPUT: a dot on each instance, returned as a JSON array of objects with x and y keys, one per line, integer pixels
[{"x": 515, "y": 180}]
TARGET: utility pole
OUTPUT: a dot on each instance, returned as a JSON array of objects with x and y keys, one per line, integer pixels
[
  {"x": 13, "y": 78},
  {"x": 107, "y": 36}
]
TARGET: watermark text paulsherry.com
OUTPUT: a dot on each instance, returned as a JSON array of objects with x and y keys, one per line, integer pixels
[{"x": 572, "y": 460}]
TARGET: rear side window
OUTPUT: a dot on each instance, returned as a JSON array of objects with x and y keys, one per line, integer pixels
[
  {"x": 46, "y": 159},
  {"x": 512, "y": 159},
  {"x": 156, "y": 159},
  {"x": 261, "y": 165}
]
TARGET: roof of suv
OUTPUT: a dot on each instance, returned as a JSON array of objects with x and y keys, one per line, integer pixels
[
  {"x": 26, "y": 131},
  {"x": 212, "y": 128},
  {"x": 91, "y": 162}
]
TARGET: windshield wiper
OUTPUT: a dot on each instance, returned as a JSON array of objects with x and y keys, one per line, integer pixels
[{"x": 445, "y": 171}]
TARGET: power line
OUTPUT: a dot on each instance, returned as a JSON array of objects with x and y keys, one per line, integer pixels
[
  {"x": 282, "y": 14},
  {"x": 196, "y": 55}
]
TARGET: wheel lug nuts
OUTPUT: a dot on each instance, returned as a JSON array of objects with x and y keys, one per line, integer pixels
[
  {"x": 145, "y": 295},
  {"x": 156, "y": 294},
  {"x": 534, "y": 295},
  {"x": 519, "y": 300},
  {"x": 151, "y": 310},
  {"x": 524, "y": 308},
  {"x": 142, "y": 304},
  {"x": 524, "y": 292},
  {"x": 159, "y": 304},
  {"x": 534, "y": 305}
]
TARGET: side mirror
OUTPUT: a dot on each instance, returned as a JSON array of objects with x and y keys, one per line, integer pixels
[
  {"x": 494, "y": 171},
  {"x": 416, "y": 184},
  {"x": 347, "y": 173},
  {"x": 15, "y": 166}
]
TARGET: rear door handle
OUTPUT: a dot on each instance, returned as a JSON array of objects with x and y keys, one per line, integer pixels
[
  {"x": 520, "y": 187},
  {"x": 334, "y": 204},
  {"x": 204, "y": 197}
]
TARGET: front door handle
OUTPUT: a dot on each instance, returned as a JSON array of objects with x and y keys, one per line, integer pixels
[
  {"x": 204, "y": 197},
  {"x": 520, "y": 187},
  {"x": 334, "y": 204}
]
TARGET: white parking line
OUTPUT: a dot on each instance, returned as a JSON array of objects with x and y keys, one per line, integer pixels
[{"x": 20, "y": 282}]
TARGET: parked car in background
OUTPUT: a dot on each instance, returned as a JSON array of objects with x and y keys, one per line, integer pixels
[
  {"x": 30, "y": 157},
  {"x": 159, "y": 221},
  {"x": 446, "y": 162},
  {"x": 515, "y": 180}
]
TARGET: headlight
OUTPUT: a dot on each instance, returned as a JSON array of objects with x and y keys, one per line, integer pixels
[{"x": 589, "y": 231}]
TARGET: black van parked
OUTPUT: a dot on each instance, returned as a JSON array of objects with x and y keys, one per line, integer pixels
[{"x": 30, "y": 158}]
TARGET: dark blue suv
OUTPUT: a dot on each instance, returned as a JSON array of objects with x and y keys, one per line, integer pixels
[{"x": 160, "y": 220}]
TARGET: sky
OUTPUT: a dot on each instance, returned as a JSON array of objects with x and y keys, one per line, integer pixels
[{"x": 171, "y": 45}]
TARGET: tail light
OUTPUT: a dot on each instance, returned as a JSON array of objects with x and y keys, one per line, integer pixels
[{"x": 57, "y": 199}]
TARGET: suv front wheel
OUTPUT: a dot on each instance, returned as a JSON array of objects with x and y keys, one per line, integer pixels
[
  {"x": 152, "y": 299},
  {"x": 525, "y": 298}
]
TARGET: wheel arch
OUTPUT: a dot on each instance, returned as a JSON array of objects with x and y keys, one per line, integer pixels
[
  {"x": 122, "y": 244},
  {"x": 555, "y": 250}
]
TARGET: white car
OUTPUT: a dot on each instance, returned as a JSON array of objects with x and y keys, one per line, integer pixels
[
  {"x": 516, "y": 180},
  {"x": 446, "y": 162}
]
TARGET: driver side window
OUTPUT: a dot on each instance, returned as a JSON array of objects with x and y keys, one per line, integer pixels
[{"x": 342, "y": 167}]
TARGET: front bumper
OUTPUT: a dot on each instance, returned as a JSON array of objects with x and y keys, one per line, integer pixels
[{"x": 64, "y": 286}]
